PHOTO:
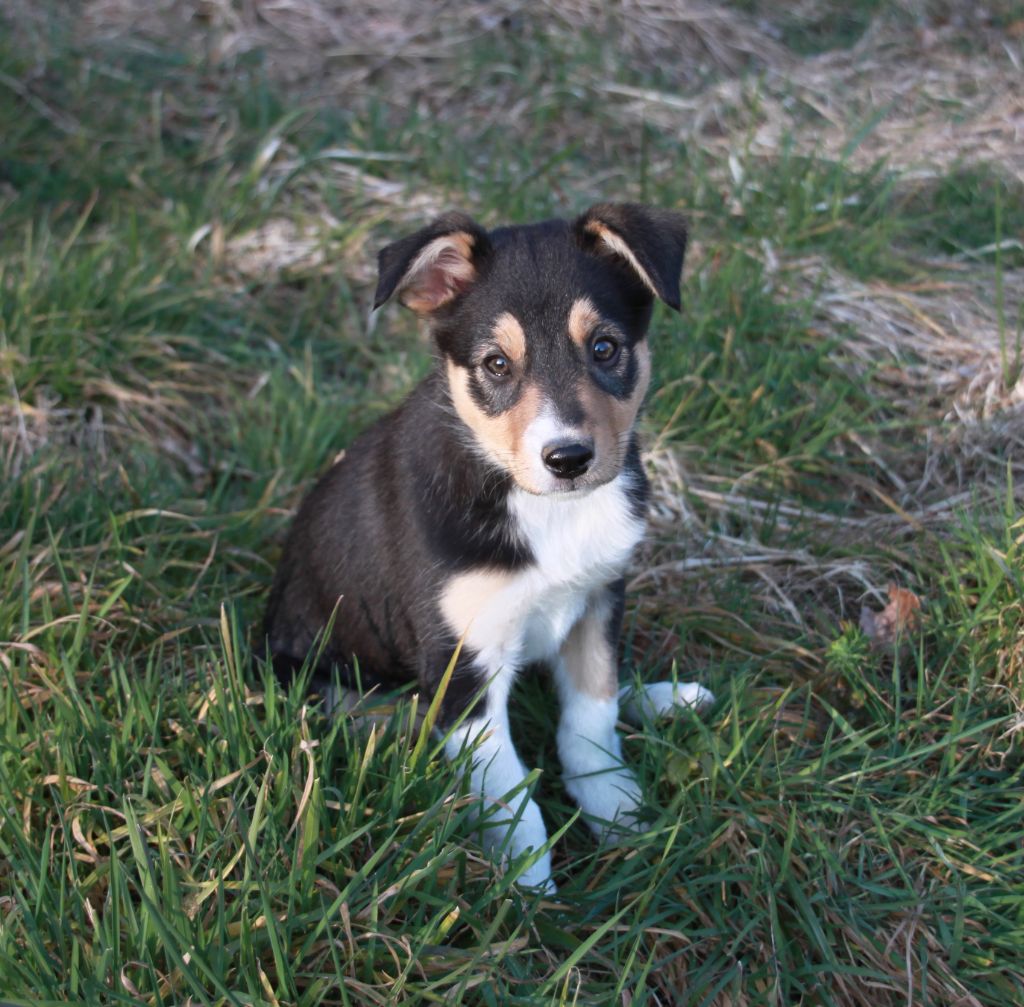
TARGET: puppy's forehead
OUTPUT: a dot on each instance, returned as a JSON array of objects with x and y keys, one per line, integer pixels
[{"x": 539, "y": 271}]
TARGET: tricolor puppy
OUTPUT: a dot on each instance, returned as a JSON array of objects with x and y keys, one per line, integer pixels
[{"x": 501, "y": 501}]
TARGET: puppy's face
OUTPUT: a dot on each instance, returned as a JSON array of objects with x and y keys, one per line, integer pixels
[
  {"x": 543, "y": 333},
  {"x": 547, "y": 365}
]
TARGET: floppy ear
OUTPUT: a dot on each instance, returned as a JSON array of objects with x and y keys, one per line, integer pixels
[
  {"x": 433, "y": 266},
  {"x": 651, "y": 242}
]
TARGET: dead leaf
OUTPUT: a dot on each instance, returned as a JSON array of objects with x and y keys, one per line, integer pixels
[{"x": 899, "y": 617}]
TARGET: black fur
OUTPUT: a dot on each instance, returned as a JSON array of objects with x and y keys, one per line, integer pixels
[{"x": 656, "y": 237}]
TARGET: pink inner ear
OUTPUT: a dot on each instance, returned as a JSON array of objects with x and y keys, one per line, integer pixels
[{"x": 441, "y": 272}]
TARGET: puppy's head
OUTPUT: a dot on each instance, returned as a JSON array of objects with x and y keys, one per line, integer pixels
[{"x": 543, "y": 331}]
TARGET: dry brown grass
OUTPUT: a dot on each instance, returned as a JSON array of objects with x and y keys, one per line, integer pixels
[
  {"x": 935, "y": 352},
  {"x": 910, "y": 96},
  {"x": 939, "y": 346},
  {"x": 907, "y": 91},
  {"x": 337, "y": 48}
]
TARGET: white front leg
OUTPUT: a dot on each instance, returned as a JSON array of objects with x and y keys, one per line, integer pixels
[
  {"x": 591, "y": 754},
  {"x": 496, "y": 771},
  {"x": 588, "y": 745}
]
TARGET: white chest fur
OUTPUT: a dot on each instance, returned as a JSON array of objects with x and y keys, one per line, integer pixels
[{"x": 579, "y": 544}]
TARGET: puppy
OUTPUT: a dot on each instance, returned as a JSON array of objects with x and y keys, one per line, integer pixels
[{"x": 500, "y": 503}]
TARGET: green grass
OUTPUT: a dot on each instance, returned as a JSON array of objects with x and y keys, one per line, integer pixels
[
  {"x": 817, "y": 28},
  {"x": 967, "y": 213},
  {"x": 843, "y": 827}
]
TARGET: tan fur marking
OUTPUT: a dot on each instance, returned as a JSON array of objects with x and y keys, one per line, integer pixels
[
  {"x": 500, "y": 436},
  {"x": 583, "y": 317},
  {"x": 436, "y": 275},
  {"x": 467, "y": 594},
  {"x": 509, "y": 335},
  {"x": 491, "y": 432},
  {"x": 587, "y": 655},
  {"x": 610, "y": 419},
  {"x": 521, "y": 415},
  {"x": 617, "y": 245}
]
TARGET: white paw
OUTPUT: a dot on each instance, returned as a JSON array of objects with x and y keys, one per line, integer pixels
[
  {"x": 609, "y": 800},
  {"x": 538, "y": 875},
  {"x": 662, "y": 699},
  {"x": 507, "y": 842}
]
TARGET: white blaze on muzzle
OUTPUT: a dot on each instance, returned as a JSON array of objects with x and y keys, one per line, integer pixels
[{"x": 546, "y": 436}]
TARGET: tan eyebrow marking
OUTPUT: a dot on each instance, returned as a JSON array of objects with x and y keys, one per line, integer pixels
[
  {"x": 509, "y": 335},
  {"x": 583, "y": 316}
]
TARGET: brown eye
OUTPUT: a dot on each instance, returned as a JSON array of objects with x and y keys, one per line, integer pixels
[
  {"x": 605, "y": 350},
  {"x": 498, "y": 365}
]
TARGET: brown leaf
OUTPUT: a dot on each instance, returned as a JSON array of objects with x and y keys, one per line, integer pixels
[{"x": 898, "y": 618}]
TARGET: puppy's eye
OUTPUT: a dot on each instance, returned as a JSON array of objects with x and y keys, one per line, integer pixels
[
  {"x": 498, "y": 365},
  {"x": 605, "y": 350}
]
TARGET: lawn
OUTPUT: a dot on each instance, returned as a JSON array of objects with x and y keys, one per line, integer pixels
[{"x": 191, "y": 201}]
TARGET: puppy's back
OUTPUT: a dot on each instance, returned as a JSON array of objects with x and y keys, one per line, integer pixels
[{"x": 346, "y": 561}]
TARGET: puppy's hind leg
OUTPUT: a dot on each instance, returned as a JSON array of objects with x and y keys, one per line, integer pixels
[{"x": 653, "y": 700}]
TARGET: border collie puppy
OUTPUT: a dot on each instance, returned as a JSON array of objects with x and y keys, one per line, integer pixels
[{"x": 500, "y": 503}]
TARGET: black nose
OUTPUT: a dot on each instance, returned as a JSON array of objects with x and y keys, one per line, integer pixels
[{"x": 568, "y": 459}]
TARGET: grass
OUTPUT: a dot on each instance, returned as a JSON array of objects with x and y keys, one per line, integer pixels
[
  {"x": 820, "y": 28},
  {"x": 963, "y": 212},
  {"x": 844, "y": 826}
]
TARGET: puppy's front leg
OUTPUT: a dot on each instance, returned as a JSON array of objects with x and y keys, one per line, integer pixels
[
  {"x": 586, "y": 674},
  {"x": 497, "y": 770}
]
